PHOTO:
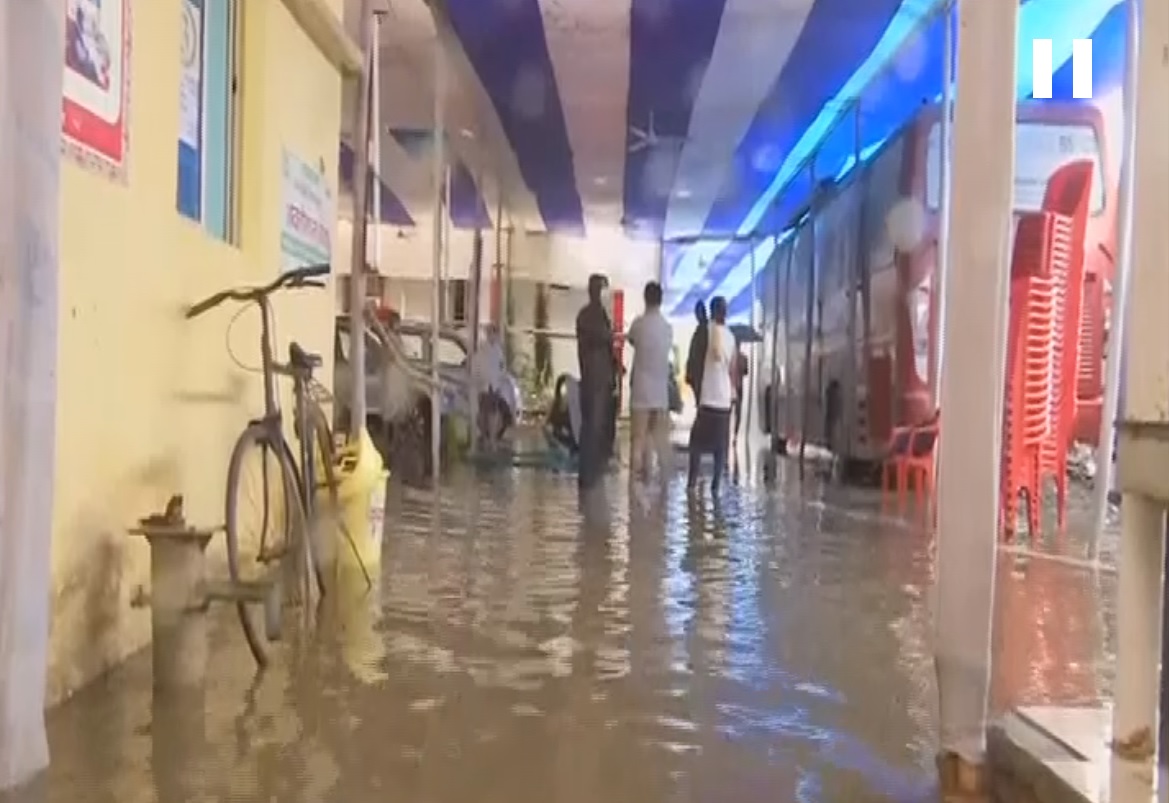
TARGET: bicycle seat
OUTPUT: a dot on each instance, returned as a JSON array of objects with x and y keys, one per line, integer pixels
[{"x": 304, "y": 360}]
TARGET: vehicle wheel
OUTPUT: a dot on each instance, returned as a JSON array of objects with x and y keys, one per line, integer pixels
[{"x": 270, "y": 534}]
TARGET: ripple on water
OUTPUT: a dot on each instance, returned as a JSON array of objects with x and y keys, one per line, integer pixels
[{"x": 521, "y": 651}]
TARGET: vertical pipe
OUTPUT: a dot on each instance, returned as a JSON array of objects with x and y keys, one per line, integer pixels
[
  {"x": 474, "y": 303},
  {"x": 360, "y": 216},
  {"x": 942, "y": 266},
  {"x": 438, "y": 167},
  {"x": 375, "y": 216},
  {"x": 851, "y": 379},
  {"x": 497, "y": 266},
  {"x": 810, "y": 300},
  {"x": 754, "y": 368},
  {"x": 445, "y": 312},
  {"x": 773, "y": 381},
  {"x": 1142, "y": 519},
  {"x": 971, "y": 394},
  {"x": 1122, "y": 270}
]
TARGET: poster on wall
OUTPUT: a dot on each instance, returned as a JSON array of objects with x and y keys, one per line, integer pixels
[
  {"x": 97, "y": 82},
  {"x": 190, "y": 183},
  {"x": 306, "y": 222}
]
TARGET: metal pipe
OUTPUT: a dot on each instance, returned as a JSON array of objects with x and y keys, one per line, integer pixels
[
  {"x": 438, "y": 167},
  {"x": 446, "y": 314},
  {"x": 1123, "y": 270},
  {"x": 375, "y": 259},
  {"x": 773, "y": 382},
  {"x": 497, "y": 266},
  {"x": 806, "y": 401},
  {"x": 360, "y": 215},
  {"x": 753, "y": 366},
  {"x": 942, "y": 264},
  {"x": 475, "y": 284}
]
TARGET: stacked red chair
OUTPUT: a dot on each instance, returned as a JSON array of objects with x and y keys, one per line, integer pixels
[{"x": 1043, "y": 343}]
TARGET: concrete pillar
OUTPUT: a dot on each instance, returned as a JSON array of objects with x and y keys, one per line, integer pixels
[
  {"x": 31, "y": 66},
  {"x": 1144, "y": 432},
  {"x": 973, "y": 369}
]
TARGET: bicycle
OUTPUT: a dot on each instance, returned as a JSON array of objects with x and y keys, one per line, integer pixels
[{"x": 294, "y": 555}]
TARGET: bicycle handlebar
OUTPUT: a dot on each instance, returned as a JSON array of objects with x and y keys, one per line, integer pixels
[{"x": 299, "y": 277}]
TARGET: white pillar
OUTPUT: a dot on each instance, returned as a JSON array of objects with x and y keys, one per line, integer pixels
[
  {"x": 31, "y": 69},
  {"x": 973, "y": 371},
  {"x": 1123, "y": 270},
  {"x": 440, "y": 202},
  {"x": 1138, "y": 610}
]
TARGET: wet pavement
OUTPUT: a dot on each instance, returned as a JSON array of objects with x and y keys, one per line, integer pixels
[{"x": 772, "y": 646}]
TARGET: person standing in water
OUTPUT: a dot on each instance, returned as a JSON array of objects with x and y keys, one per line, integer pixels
[
  {"x": 697, "y": 354},
  {"x": 740, "y": 369},
  {"x": 651, "y": 336},
  {"x": 594, "y": 349},
  {"x": 711, "y": 431}
]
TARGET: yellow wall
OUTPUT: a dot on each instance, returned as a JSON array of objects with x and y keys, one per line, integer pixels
[{"x": 149, "y": 403}]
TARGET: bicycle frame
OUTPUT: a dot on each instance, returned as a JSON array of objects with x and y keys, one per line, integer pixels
[{"x": 273, "y": 418}]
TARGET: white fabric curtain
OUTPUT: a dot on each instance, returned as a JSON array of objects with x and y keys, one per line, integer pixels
[{"x": 31, "y": 65}]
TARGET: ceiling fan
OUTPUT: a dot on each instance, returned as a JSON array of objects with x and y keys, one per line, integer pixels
[{"x": 649, "y": 137}]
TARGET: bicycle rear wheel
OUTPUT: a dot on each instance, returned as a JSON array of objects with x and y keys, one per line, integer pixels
[{"x": 265, "y": 527}]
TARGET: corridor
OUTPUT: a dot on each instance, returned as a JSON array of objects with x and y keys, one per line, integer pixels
[{"x": 775, "y": 647}]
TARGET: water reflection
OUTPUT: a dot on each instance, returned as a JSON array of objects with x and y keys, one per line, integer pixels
[{"x": 525, "y": 645}]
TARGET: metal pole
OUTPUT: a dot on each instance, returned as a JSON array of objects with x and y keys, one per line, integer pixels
[
  {"x": 753, "y": 366},
  {"x": 475, "y": 284},
  {"x": 806, "y": 400},
  {"x": 942, "y": 265},
  {"x": 439, "y": 167},
  {"x": 375, "y": 259},
  {"x": 360, "y": 215},
  {"x": 772, "y": 382},
  {"x": 446, "y": 313},
  {"x": 1122, "y": 272},
  {"x": 497, "y": 266}
]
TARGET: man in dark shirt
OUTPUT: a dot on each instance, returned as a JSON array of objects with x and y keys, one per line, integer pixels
[
  {"x": 594, "y": 349},
  {"x": 696, "y": 357}
]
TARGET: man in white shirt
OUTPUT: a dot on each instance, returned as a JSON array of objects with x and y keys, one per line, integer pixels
[
  {"x": 652, "y": 338},
  {"x": 711, "y": 431}
]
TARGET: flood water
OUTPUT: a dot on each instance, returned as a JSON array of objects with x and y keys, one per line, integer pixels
[{"x": 775, "y": 646}]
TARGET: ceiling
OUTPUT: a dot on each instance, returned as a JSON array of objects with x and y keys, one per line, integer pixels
[{"x": 674, "y": 119}]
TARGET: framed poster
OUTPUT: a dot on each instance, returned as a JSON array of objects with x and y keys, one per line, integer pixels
[{"x": 97, "y": 83}]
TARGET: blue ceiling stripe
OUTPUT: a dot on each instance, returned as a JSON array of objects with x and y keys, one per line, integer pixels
[
  {"x": 504, "y": 41},
  {"x": 837, "y": 36},
  {"x": 468, "y": 211},
  {"x": 915, "y": 78},
  {"x": 393, "y": 211},
  {"x": 734, "y": 257},
  {"x": 670, "y": 47},
  {"x": 468, "y": 208}
]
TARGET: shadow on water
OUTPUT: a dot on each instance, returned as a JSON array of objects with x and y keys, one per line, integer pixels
[{"x": 523, "y": 644}]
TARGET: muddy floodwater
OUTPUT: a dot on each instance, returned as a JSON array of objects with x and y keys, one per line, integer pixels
[{"x": 523, "y": 648}]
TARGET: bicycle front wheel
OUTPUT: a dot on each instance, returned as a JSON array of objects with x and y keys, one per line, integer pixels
[{"x": 264, "y": 526}]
